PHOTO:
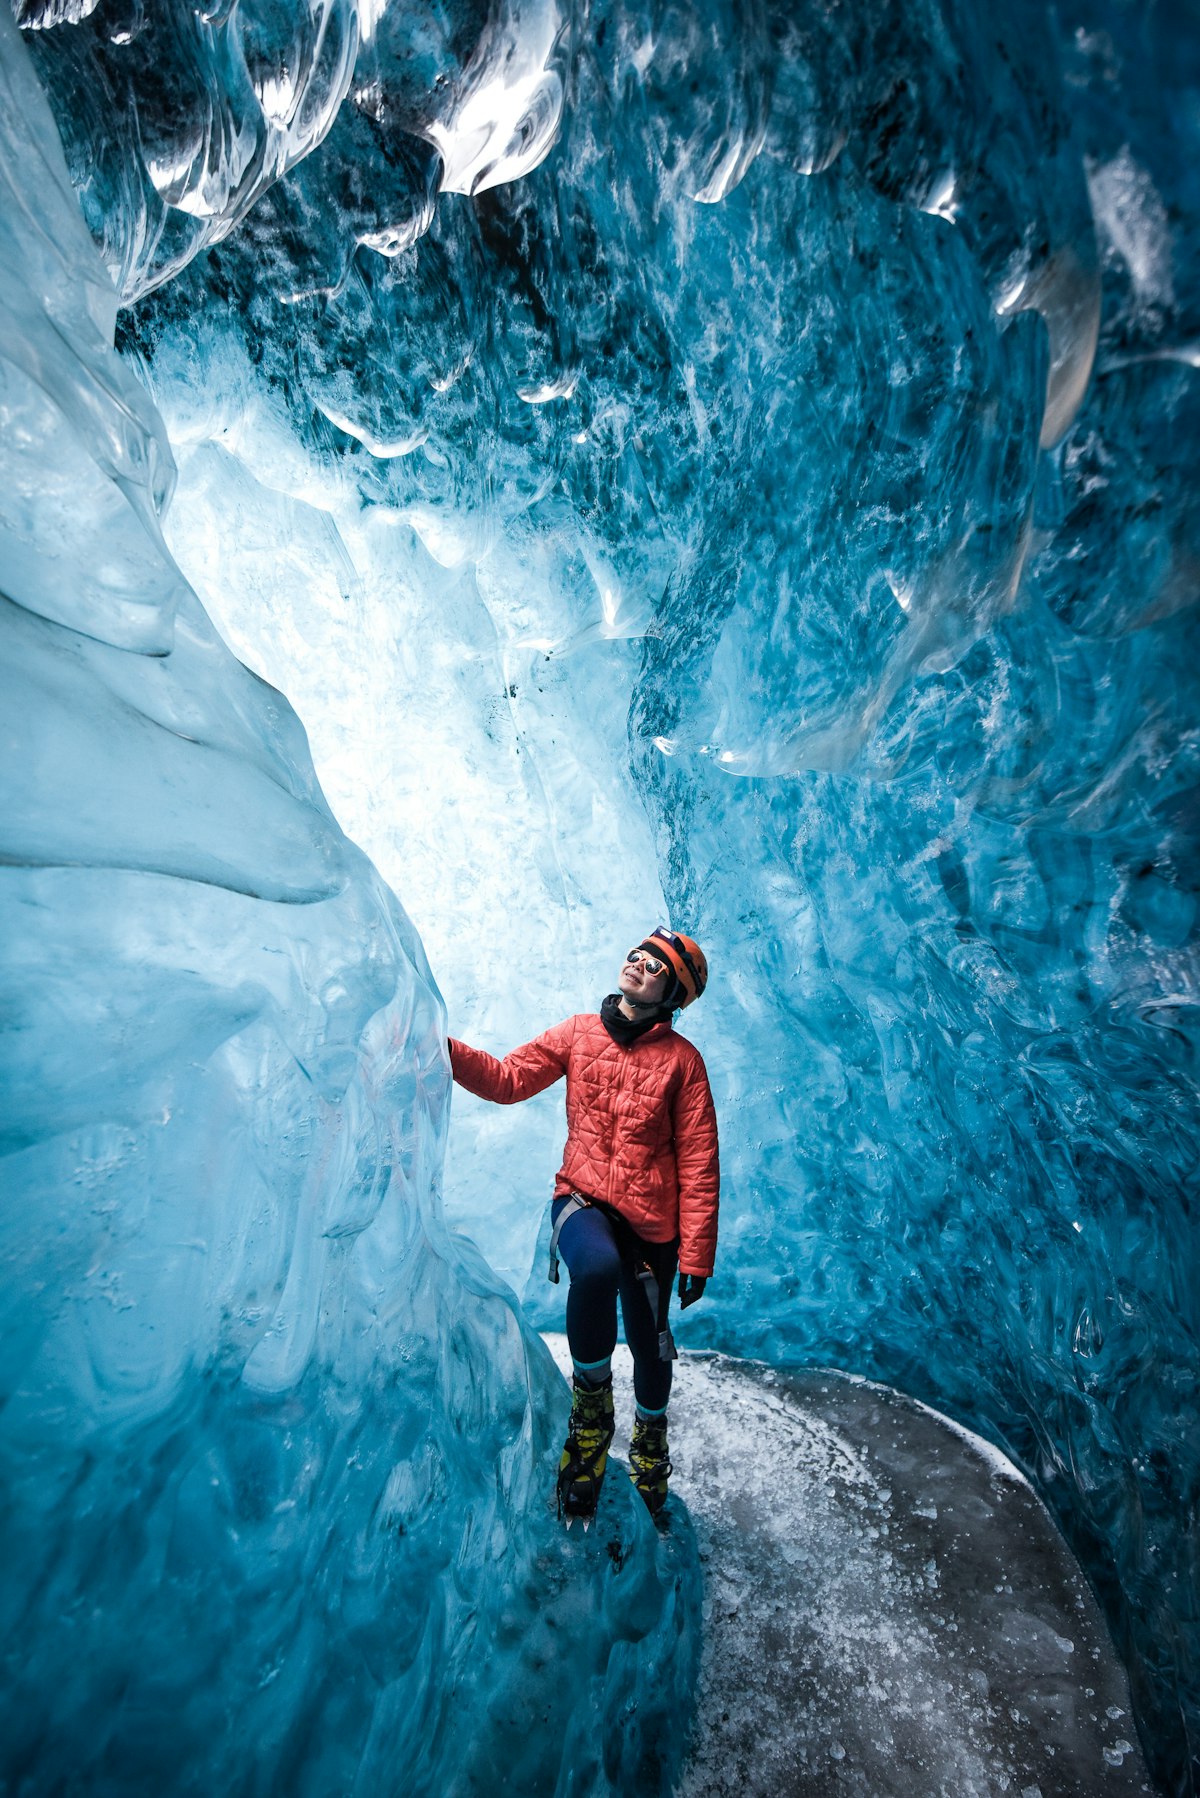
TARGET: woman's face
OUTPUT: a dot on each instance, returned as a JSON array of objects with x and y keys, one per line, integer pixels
[{"x": 636, "y": 981}]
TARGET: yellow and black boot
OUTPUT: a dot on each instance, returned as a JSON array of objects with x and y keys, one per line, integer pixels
[
  {"x": 649, "y": 1463},
  {"x": 585, "y": 1452}
]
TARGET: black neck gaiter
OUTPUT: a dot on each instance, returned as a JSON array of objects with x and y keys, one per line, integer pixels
[{"x": 625, "y": 1030}]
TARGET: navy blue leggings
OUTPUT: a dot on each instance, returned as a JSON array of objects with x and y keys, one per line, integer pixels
[{"x": 599, "y": 1272}]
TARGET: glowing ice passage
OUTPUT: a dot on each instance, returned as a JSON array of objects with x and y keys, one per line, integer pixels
[{"x": 735, "y": 461}]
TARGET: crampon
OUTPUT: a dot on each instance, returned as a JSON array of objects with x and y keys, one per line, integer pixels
[
  {"x": 585, "y": 1452},
  {"x": 649, "y": 1464}
]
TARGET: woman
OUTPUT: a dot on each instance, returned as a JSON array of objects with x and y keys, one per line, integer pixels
[{"x": 636, "y": 1196}]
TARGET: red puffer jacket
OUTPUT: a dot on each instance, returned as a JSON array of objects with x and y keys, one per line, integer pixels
[{"x": 641, "y": 1129}]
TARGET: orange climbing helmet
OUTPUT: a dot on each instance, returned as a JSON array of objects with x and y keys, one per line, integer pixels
[{"x": 684, "y": 957}]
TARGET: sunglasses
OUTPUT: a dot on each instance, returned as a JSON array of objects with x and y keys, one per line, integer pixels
[{"x": 651, "y": 963}]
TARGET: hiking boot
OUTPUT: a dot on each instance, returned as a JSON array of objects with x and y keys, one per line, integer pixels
[
  {"x": 585, "y": 1452},
  {"x": 649, "y": 1466}
]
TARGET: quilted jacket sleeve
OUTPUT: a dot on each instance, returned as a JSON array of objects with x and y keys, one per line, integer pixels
[
  {"x": 527, "y": 1070},
  {"x": 697, "y": 1161}
]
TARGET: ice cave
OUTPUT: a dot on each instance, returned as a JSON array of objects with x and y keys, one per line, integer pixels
[{"x": 478, "y": 478}]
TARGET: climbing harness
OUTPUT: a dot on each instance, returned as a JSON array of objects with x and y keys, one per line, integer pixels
[
  {"x": 658, "y": 1297},
  {"x": 658, "y": 1292},
  {"x": 575, "y": 1202}
]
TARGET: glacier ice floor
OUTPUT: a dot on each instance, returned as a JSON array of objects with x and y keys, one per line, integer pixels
[{"x": 890, "y": 1610}]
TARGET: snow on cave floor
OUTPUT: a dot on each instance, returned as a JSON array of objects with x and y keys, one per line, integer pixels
[{"x": 889, "y": 1608}]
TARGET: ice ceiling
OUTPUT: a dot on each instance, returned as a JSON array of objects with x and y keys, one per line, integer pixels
[{"x": 728, "y": 460}]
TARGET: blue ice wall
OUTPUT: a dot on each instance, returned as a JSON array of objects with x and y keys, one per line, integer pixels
[
  {"x": 275, "y": 1450},
  {"x": 756, "y": 446}
]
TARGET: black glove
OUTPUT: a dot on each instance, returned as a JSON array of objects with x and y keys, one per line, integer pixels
[{"x": 691, "y": 1288}]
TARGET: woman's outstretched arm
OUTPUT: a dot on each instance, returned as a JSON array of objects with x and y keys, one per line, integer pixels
[{"x": 527, "y": 1070}]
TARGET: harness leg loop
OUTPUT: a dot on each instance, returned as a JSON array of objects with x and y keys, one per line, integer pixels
[{"x": 575, "y": 1202}]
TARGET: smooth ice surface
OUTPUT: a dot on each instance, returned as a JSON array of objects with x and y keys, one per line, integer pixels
[
  {"x": 275, "y": 1449},
  {"x": 888, "y": 1607},
  {"x": 770, "y": 499}
]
